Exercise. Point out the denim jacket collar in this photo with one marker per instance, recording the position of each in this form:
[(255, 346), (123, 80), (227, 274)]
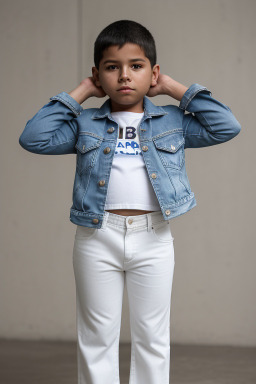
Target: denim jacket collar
[(150, 109)]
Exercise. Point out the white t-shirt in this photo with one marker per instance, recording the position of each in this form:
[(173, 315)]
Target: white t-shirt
[(129, 185)]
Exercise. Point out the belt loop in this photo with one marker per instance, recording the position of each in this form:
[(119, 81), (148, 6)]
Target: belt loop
[(105, 219), (149, 222)]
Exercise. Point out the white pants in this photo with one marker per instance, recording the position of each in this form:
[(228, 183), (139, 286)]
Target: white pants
[(140, 250)]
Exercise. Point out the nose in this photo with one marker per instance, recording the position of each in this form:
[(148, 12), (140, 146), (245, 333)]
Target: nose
[(124, 75)]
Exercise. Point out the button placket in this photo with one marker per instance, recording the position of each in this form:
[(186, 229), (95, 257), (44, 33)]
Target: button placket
[(129, 223), (129, 245)]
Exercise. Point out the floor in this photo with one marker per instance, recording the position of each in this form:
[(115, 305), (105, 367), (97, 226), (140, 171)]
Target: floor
[(49, 362)]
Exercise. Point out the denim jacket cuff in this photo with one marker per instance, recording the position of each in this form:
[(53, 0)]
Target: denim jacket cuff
[(190, 93), (69, 101)]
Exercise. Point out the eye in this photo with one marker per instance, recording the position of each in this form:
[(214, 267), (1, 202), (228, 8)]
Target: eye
[(137, 66), (111, 67)]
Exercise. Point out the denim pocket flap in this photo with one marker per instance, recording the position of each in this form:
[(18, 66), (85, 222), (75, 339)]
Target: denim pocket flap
[(170, 142), (87, 142)]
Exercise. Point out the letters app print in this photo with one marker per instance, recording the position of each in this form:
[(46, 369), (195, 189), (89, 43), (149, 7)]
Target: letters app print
[(128, 143)]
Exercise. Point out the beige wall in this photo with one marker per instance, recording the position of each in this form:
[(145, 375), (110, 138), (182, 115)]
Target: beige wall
[(47, 47)]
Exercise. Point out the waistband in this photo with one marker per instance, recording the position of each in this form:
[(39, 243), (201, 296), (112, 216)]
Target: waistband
[(146, 220)]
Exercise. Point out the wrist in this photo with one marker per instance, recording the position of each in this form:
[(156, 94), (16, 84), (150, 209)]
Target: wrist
[(175, 89), (81, 93)]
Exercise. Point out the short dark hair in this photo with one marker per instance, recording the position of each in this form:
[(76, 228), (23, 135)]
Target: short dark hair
[(121, 32)]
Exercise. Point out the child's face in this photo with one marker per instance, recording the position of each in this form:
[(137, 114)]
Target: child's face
[(125, 67)]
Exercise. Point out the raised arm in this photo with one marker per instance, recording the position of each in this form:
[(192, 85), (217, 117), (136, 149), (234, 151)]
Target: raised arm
[(53, 129), (208, 122)]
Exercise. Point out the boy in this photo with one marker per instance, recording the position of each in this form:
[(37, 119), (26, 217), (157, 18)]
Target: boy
[(130, 181)]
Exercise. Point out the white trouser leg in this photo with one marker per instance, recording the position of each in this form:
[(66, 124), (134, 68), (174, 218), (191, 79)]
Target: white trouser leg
[(149, 277), (99, 292)]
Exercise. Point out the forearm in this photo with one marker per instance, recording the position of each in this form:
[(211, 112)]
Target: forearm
[(53, 129), (175, 89), (209, 121), (80, 93)]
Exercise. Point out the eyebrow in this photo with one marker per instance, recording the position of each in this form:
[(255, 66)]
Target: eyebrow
[(116, 61)]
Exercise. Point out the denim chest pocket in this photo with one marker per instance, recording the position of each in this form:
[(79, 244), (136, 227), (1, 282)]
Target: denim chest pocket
[(87, 150), (170, 148)]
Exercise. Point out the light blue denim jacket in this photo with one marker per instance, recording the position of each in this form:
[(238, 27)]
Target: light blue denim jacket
[(62, 126)]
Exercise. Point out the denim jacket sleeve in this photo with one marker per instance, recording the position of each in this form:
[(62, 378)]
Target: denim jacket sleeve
[(209, 122), (53, 129)]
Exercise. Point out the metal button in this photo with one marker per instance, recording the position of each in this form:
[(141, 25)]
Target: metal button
[(144, 148), (153, 175), (95, 221), (167, 212), (172, 147), (107, 150), (130, 221), (111, 129), (101, 183)]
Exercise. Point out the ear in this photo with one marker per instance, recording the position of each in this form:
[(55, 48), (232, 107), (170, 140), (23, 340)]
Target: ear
[(155, 74), (95, 75)]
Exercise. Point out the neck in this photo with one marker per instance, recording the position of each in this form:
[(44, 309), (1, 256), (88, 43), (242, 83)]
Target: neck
[(137, 108)]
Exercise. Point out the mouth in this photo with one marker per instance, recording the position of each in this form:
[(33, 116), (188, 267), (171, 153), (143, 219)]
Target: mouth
[(125, 89)]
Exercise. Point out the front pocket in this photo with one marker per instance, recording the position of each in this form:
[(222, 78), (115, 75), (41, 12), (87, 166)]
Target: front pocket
[(162, 232), (88, 148), (85, 233), (170, 148)]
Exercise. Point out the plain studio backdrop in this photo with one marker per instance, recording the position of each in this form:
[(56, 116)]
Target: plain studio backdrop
[(47, 48)]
